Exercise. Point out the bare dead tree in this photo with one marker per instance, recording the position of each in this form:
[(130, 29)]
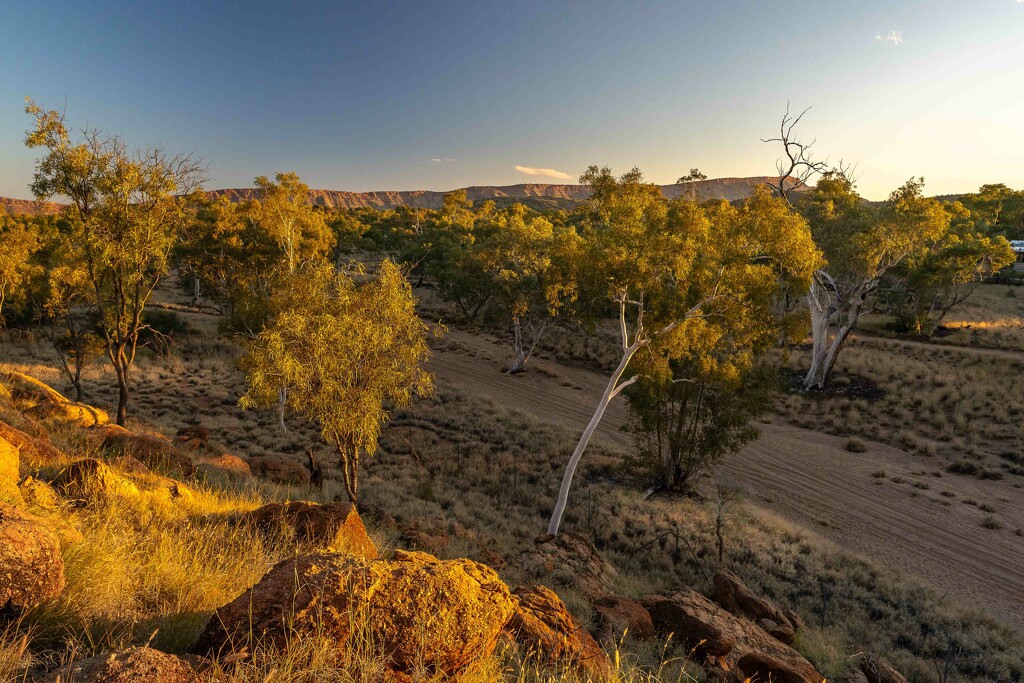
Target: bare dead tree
[(797, 165)]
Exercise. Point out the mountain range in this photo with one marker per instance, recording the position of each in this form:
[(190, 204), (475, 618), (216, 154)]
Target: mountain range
[(538, 196)]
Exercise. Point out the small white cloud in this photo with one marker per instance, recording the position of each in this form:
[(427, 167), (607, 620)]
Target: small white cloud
[(440, 161), (549, 172), (896, 37)]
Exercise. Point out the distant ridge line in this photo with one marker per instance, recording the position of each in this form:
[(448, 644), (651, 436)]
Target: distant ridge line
[(539, 196)]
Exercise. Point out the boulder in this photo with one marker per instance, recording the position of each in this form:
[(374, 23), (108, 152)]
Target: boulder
[(70, 412), (542, 624), (727, 641), (877, 669), (10, 463), (192, 438), (568, 559), (32, 448), (335, 526), (90, 480), (31, 567), (51, 403), (420, 613), (39, 494), (156, 452), (24, 387), (128, 666), (223, 468), (280, 468), (732, 594), (614, 616)]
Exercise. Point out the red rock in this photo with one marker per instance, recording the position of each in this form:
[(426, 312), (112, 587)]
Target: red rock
[(615, 615), (156, 452), (543, 625), (134, 665), (732, 594), (282, 469), (335, 526), (418, 611), (31, 567)]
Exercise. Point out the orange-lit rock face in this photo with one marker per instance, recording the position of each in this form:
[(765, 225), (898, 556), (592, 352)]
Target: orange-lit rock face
[(416, 610), (31, 567), (335, 526), (127, 666)]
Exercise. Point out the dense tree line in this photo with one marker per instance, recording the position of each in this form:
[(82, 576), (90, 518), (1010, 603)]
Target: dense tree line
[(323, 300)]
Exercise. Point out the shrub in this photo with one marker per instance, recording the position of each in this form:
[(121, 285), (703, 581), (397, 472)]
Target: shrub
[(992, 522), (963, 467), (857, 446)]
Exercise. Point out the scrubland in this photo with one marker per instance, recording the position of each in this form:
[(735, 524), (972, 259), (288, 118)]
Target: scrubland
[(479, 480)]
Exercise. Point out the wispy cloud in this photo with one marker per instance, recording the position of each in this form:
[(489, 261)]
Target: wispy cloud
[(549, 172), (442, 161), (896, 37)]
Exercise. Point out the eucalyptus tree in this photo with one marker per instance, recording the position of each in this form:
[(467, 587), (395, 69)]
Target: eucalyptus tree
[(532, 265), (125, 211), (348, 351), (683, 277), (861, 244)]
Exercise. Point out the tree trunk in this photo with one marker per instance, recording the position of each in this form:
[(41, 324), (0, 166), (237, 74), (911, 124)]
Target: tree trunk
[(609, 393), (282, 400), (522, 353), (122, 398)]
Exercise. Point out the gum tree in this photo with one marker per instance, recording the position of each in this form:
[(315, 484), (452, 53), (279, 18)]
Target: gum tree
[(348, 352), (681, 276), (125, 211)]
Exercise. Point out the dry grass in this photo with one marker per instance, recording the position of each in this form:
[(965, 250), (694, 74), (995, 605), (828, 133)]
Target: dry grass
[(152, 571)]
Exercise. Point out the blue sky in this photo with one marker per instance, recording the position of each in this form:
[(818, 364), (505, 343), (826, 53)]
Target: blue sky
[(425, 95)]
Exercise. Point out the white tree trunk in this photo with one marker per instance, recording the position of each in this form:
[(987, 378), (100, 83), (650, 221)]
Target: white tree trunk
[(610, 392), (282, 399)]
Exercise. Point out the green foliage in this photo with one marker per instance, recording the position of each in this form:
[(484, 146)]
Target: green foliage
[(125, 212), (997, 210), (19, 241), (346, 353), (689, 416)]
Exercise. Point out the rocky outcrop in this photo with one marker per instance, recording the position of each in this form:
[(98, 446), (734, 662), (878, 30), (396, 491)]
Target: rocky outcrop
[(50, 403), (280, 468), (615, 616), (727, 642), (877, 669), (156, 452), (732, 594), (544, 628), (128, 666), (335, 526), (38, 494), (568, 559), (224, 468), (36, 449), (31, 567), (89, 480), (10, 462), (418, 611), (192, 438)]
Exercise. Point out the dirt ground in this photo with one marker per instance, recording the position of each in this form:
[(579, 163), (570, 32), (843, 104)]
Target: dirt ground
[(893, 506)]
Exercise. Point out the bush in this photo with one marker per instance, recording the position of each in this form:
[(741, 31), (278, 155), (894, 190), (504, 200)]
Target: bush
[(964, 467), (857, 446), (991, 522)]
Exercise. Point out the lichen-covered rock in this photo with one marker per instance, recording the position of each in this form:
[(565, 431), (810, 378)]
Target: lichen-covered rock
[(90, 480), (726, 641), (732, 594), (156, 452), (282, 469), (24, 387), (335, 526), (614, 616), (9, 473), (543, 625), (132, 665), (418, 611), (568, 559), (31, 567)]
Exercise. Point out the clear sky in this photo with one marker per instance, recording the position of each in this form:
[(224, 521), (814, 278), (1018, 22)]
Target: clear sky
[(431, 95)]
